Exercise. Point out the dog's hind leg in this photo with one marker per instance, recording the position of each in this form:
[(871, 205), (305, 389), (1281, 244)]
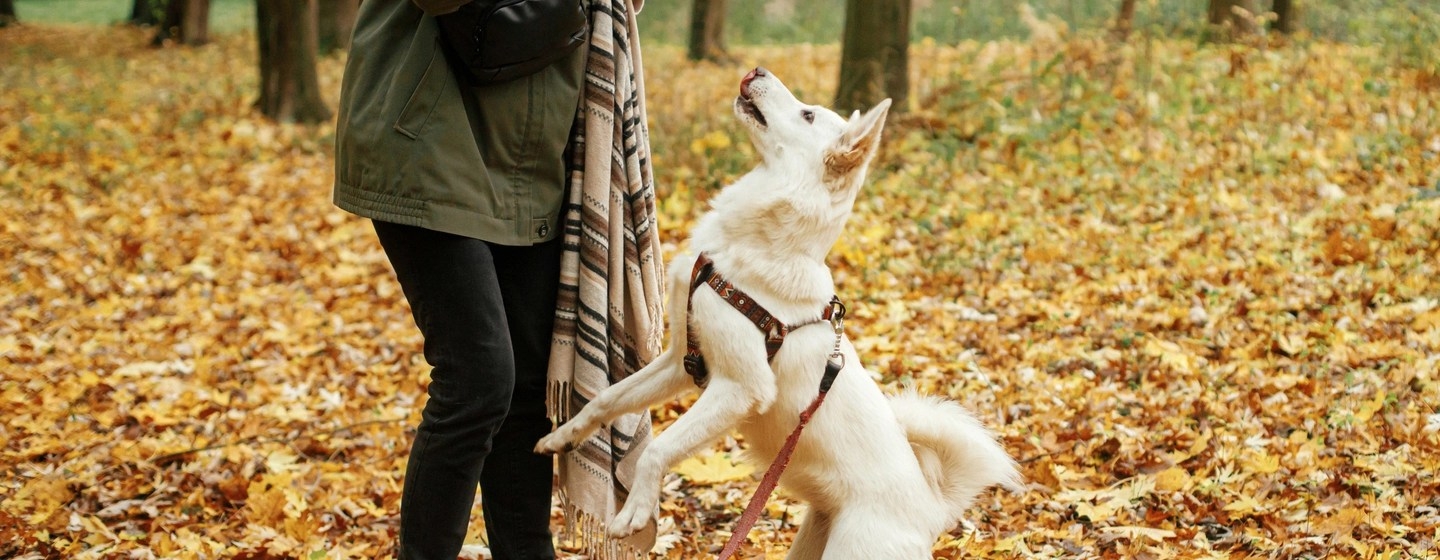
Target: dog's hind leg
[(661, 379), (719, 407), (863, 534), (810, 540)]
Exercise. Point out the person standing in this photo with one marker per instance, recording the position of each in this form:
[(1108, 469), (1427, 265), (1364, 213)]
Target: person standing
[(464, 185)]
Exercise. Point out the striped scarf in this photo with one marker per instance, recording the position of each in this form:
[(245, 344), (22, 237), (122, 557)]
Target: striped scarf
[(608, 318)]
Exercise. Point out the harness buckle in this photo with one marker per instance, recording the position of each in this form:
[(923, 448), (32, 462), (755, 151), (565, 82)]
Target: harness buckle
[(695, 367)]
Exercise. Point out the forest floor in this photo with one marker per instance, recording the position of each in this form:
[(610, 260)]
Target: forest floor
[(1193, 288)]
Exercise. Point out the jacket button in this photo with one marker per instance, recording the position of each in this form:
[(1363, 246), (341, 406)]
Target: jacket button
[(543, 230)]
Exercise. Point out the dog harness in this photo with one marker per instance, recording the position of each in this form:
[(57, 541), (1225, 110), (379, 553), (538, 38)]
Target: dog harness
[(775, 331)]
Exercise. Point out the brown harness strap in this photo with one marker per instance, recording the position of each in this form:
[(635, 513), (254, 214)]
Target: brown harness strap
[(775, 331)]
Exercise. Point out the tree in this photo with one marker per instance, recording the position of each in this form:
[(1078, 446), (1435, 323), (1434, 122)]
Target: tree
[(1125, 20), (7, 12), (186, 21), (288, 40), (707, 26), (1231, 18), (1287, 16), (874, 61), (336, 22), (142, 12)]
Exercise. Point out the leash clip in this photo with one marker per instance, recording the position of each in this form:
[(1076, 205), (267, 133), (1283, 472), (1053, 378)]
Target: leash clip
[(837, 311), (837, 322)]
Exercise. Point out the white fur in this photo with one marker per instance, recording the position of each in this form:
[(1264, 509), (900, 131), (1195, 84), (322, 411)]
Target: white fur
[(884, 477)]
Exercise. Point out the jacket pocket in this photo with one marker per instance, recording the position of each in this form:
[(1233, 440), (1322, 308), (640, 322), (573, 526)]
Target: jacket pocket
[(426, 96)]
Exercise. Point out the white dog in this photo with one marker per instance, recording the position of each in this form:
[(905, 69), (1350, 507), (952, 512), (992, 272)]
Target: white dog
[(884, 477)]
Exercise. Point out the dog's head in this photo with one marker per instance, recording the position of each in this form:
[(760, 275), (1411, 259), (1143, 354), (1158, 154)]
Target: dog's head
[(814, 162), (808, 139)]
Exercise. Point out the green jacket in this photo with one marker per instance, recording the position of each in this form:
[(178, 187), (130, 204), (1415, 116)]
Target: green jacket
[(414, 146)]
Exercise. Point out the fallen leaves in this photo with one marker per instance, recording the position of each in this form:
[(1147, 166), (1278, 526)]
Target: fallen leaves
[(712, 468), (1200, 308)]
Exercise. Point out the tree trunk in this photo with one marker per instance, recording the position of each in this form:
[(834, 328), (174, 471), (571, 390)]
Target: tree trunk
[(1125, 20), (288, 37), (336, 22), (169, 22), (1226, 22), (707, 30), (142, 12), (1287, 17), (186, 22), (874, 61), (7, 12), (195, 26)]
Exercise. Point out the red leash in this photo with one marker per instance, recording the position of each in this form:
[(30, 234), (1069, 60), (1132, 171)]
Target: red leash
[(772, 475)]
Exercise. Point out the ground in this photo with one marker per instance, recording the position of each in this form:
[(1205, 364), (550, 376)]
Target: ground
[(1192, 287)]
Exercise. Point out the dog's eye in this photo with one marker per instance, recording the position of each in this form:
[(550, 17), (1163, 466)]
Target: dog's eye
[(808, 115)]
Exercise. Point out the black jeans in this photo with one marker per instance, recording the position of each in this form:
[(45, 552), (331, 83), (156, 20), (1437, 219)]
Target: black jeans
[(485, 311)]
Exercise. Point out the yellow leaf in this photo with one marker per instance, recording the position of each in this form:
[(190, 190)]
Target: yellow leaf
[(718, 139), (1099, 511), (1369, 408), (1230, 200), (266, 499), (1292, 344), (1172, 479), (1261, 463), (980, 220), (713, 468), (1244, 505), (1136, 533), (1200, 444), (1011, 544), (1342, 523), (1171, 354), (1427, 320)]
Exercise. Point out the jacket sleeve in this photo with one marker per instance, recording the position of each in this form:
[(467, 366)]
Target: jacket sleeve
[(440, 7)]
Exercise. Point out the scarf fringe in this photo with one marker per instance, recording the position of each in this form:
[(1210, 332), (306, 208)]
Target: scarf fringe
[(557, 401), (588, 532)]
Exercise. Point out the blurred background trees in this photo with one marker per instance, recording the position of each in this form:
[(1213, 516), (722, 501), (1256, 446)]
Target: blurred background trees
[(186, 22), (1286, 16), (1231, 18), (335, 22), (874, 35), (288, 36), (874, 62), (144, 12), (707, 30), (7, 12)]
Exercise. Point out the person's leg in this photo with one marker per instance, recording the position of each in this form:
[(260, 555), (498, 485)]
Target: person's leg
[(450, 282), (516, 484)]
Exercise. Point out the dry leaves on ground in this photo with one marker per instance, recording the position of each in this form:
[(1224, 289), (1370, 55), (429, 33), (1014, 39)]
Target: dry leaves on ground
[(1196, 298)]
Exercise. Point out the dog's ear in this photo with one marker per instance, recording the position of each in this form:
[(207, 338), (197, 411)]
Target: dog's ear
[(857, 144)]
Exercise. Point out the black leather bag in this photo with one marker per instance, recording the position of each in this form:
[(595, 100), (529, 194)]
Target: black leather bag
[(493, 41)]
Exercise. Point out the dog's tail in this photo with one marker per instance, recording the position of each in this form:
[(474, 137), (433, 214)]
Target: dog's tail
[(959, 456)]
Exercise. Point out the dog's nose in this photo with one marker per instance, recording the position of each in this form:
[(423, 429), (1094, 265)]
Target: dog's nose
[(756, 73)]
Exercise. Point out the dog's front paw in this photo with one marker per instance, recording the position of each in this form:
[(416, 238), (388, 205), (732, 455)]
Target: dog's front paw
[(633, 517), (557, 441)]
